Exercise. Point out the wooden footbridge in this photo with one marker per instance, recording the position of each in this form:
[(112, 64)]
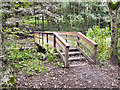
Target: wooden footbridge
[(69, 44)]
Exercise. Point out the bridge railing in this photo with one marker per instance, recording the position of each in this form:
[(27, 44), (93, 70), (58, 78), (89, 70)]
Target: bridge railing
[(85, 45), (89, 42), (57, 42)]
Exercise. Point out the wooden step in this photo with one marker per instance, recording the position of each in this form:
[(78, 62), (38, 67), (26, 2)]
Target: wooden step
[(73, 53), (76, 58), (77, 65), (73, 49)]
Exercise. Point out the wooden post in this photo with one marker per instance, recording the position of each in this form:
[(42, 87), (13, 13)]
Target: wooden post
[(66, 57), (47, 37), (77, 42), (39, 38), (42, 39), (66, 38), (54, 40), (95, 54)]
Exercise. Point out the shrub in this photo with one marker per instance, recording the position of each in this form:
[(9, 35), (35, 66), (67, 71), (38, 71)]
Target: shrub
[(99, 35), (118, 32)]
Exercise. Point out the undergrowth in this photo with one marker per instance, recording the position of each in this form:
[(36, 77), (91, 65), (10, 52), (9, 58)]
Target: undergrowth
[(53, 58), (100, 35)]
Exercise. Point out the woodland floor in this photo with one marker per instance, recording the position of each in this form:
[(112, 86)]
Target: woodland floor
[(85, 75)]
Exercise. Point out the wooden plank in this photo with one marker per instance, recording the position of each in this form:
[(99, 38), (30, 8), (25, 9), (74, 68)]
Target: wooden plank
[(86, 39), (72, 53), (59, 32), (89, 59), (76, 58), (67, 33), (61, 40), (85, 47), (73, 49)]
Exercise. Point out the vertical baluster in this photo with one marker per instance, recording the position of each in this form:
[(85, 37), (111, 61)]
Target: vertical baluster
[(47, 37), (39, 38), (54, 40), (77, 42), (66, 38), (42, 39)]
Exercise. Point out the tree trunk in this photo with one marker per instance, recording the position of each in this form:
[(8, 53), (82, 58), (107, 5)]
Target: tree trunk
[(114, 34)]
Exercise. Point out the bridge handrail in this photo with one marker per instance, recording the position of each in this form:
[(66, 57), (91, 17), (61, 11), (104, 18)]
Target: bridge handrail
[(87, 40), (56, 35), (61, 40)]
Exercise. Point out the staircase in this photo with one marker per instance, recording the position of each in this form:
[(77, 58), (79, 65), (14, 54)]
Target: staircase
[(74, 56)]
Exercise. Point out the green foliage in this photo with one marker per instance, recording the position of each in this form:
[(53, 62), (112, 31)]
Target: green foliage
[(18, 55), (53, 58), (25, 60), (31, 20), (99, 35), (118, 32), (113, 6)]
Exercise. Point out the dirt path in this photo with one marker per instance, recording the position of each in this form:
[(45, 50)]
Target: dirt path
[(83, 76)]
